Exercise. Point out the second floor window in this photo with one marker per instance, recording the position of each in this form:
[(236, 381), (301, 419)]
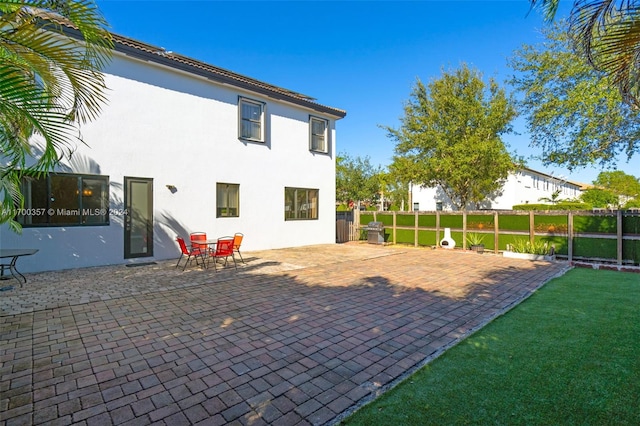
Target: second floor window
[(251, 120), (318, 135)]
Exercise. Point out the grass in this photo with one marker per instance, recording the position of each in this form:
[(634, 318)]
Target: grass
[(568, 355)]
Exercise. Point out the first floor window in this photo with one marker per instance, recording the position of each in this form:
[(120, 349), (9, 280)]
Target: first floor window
[(300, 203), (251, 120), (61, 199), (318, 135), (227, 200)]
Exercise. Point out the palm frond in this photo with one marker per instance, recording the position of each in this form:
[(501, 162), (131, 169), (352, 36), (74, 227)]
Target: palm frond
[(607, 33), (50, 83), (549, 7)]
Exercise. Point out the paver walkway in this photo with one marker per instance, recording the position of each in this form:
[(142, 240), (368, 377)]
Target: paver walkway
[(296, 336)]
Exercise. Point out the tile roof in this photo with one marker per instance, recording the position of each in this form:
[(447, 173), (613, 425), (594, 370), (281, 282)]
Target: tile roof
[(159, 55)]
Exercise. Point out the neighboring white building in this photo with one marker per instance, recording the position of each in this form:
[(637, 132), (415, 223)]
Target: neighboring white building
[(183, 146), (526, 186)]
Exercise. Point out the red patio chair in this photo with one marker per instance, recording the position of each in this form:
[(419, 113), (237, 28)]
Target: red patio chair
[(190, 252), (199, 236), (224, 249), (237, 241)]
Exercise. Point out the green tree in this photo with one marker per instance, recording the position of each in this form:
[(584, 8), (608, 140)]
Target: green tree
[(600, 198), (632, 204), (607, 34), (51, 54), (572, 113), (397, 190), (450, 136), (619, 183), (393, 192), (357, 180)]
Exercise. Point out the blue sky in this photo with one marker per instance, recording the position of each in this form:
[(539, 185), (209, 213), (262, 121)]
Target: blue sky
[(360, 56)]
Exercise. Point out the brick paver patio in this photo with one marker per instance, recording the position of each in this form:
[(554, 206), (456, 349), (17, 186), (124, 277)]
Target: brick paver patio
[(296, 336)]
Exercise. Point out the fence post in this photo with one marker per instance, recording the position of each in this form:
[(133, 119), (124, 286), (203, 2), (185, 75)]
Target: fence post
[(415, 234), (570, 236), (394, 226), (532, 227), (464, 230), (437, 227), (619, 236), (496, 235)]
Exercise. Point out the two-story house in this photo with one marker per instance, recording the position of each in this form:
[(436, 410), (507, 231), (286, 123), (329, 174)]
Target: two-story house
[(183, 146)]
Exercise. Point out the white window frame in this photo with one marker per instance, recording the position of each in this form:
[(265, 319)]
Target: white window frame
[(261, 105), (324, 135)]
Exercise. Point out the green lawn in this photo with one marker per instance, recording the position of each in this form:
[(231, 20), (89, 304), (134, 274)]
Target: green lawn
[(569, 355)]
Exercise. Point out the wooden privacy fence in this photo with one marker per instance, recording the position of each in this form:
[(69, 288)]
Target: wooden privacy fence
[(346, 228), (608, 236), (346, 231)]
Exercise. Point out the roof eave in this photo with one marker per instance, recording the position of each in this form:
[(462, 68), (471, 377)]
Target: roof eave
[(166, 60), (146, 52)]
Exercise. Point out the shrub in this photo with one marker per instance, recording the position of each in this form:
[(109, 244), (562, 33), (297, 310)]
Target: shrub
[(474, 239), (559, 206), (522, 245)]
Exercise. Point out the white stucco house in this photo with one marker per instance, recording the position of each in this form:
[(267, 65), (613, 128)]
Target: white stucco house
[(525, 186), (183, 146)]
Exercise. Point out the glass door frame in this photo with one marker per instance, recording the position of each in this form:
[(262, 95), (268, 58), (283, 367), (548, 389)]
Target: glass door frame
[(129, 217)]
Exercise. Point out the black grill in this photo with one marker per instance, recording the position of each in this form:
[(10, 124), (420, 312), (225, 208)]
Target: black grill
[(375, 232)]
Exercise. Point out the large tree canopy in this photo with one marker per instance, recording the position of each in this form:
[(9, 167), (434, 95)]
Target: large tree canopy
[(573, 115), (50, 83), (619, 183), (450, 136), (607, 34)]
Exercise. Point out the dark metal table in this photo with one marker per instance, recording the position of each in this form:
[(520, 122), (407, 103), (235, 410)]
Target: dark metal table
[(14, 255)]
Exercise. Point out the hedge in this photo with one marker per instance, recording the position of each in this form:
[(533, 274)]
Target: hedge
[(559, 206)]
